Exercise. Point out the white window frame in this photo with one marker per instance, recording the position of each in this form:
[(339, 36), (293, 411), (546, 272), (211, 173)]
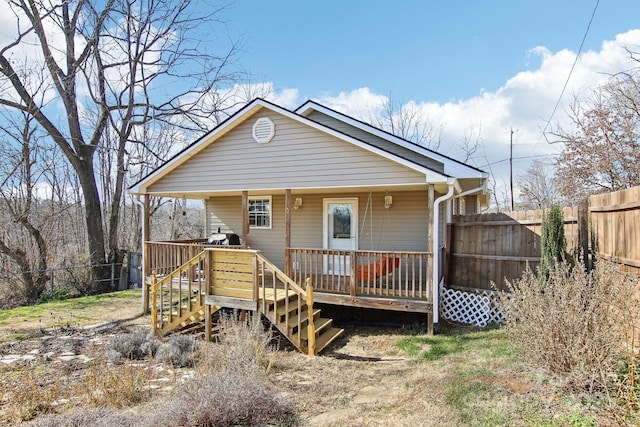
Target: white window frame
[(267, 199)]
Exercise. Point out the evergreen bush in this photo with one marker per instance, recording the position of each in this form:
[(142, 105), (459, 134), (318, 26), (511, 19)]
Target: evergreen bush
[(553, 240)]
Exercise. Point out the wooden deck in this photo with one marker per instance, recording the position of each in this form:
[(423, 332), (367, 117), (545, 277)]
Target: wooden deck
[(239, 278)]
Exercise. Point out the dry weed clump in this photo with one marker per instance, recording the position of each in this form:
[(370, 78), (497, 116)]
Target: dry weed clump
[(574, 323), (31, 398), (115, 386), (231, 386), (87, 416), (179, 351)]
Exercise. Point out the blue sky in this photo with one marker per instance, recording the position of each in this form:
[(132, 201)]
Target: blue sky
[(477, 69), (422, 50)]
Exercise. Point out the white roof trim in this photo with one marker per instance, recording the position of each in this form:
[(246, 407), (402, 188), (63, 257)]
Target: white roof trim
[(451, 166), (140, 187)]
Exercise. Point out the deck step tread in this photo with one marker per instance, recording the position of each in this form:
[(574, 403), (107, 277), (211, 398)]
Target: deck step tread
[(327, 337), (304, 317), (282, 310), (320, 324)]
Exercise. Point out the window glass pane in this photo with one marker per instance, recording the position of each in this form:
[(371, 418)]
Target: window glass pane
[(341, 221), (260, 213)]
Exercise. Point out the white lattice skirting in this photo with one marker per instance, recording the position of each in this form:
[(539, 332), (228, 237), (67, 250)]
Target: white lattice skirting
[(477, 308)]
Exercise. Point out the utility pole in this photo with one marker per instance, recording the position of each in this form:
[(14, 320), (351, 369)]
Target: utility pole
[(511, 168)]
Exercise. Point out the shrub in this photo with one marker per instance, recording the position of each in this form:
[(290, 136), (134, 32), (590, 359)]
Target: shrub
[(573, 323), (236, 395), (553, 241), (179, 351), (137, 345), (56, 294), (231, 387)]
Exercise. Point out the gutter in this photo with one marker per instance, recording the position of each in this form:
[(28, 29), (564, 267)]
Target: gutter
[(482, 188)]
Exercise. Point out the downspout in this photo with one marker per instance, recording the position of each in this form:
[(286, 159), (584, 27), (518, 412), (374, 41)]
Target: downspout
[(436, 235), (436, 252)]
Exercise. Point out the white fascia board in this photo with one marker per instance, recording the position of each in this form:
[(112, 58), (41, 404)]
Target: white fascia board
[(200, 144), (451, 167)]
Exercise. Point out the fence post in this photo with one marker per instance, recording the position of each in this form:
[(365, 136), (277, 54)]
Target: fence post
[(583, 232), (311, 328), (113, 275)]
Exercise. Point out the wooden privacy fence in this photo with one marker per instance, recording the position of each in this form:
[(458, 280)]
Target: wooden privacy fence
[(615, 227), (486, 248)]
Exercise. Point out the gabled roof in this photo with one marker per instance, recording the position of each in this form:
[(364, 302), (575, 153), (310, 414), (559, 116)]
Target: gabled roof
[(452, 167), (451, 171)]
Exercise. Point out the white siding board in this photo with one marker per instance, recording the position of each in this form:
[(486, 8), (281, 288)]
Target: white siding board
[(226, 213), (403, 227), (376, 141), (297, 157)]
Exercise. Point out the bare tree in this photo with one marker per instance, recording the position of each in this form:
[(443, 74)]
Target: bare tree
[(111, 67), (23, 240), (407, 121), (601, 153), (535, 187)]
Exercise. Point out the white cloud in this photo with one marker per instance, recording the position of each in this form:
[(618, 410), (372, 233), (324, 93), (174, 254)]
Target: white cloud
[(524, 103)]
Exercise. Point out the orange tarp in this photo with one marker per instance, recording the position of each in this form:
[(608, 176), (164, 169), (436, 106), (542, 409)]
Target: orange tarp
[(378, 268)]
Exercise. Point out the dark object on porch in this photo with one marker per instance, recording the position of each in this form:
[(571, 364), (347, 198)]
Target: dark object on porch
[(233, 239), (377, 269)]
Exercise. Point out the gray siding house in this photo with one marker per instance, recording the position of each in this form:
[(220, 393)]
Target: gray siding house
[(325, 197)]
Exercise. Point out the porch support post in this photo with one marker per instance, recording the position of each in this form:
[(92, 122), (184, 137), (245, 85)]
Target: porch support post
[(287, 232), (431, 249), (145, 254), (208, 327), (245, 218)]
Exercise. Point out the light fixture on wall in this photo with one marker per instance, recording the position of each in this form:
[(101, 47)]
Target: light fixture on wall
[(297, 203), (388, 201)]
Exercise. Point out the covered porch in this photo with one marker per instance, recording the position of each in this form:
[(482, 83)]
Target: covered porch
[(387, 280)]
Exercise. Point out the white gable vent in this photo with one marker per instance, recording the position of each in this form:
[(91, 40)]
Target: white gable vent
[(263, 130)]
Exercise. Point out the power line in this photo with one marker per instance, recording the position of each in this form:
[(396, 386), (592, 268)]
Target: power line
[(566, 83), (517, 158)]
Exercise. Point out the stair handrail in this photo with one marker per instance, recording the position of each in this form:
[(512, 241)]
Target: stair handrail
[(154, 301), (282, 276)]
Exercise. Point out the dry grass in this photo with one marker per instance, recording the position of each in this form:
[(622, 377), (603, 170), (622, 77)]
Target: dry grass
[(230, 386), (371, 376), (576, 326)]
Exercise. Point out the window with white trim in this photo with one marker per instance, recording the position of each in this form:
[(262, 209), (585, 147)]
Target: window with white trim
[(260, 212)]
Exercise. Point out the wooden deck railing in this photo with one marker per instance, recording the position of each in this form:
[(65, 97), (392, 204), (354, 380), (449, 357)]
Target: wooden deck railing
[(237, 279), (364, 273), (165, 257)]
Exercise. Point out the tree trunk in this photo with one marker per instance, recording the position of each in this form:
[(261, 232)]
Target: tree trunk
[(93, 217)]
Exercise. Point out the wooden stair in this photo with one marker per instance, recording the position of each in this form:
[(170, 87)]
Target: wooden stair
[(236, 279), (184, 314), (291, 318)]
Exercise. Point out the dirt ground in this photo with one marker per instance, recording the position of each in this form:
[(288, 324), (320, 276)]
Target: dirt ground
[(363, 379)]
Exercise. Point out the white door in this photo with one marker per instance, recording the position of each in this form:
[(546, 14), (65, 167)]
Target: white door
[(340, 229)]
